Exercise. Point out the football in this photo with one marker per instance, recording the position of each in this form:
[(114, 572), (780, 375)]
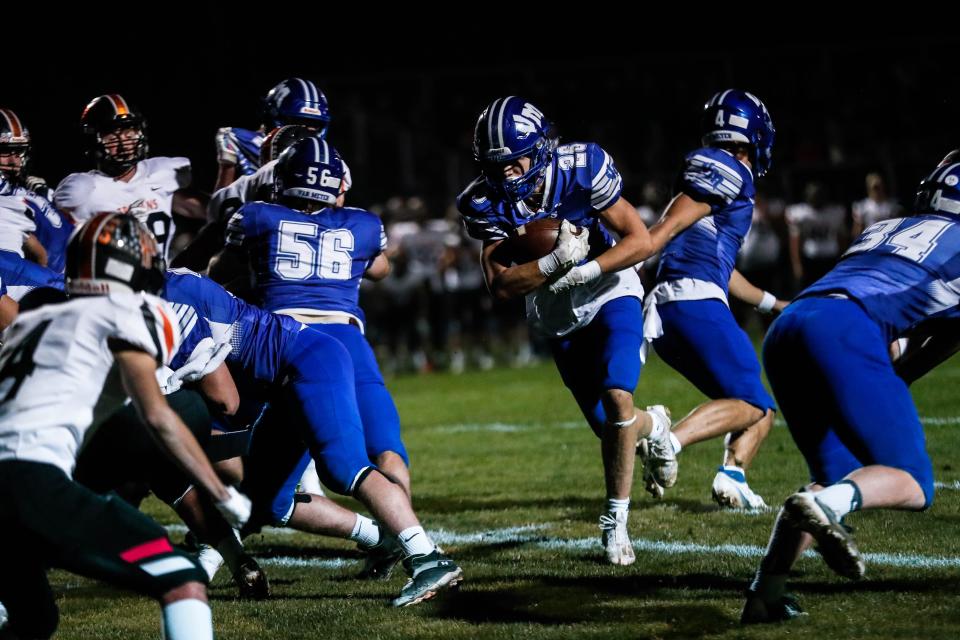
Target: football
[(535, 239)]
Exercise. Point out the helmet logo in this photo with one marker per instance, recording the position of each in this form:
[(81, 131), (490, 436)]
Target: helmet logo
[(951, 181), (528, 120), (282, 92)]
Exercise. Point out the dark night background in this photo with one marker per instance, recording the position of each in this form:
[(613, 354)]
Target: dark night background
[(404, 100)]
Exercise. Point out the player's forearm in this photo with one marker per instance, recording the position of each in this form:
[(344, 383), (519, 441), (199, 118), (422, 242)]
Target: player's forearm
[(517, 281), (631, 250), (742, 289), (226, 174), (34, 250)]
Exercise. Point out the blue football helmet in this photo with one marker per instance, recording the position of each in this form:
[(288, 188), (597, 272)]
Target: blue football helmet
[(310, 169), (737, 116), (508, 129), (940, 191), (296, 101)]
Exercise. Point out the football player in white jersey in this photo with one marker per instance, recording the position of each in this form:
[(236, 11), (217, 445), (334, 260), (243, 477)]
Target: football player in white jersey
[(94, 350), (125, 179)]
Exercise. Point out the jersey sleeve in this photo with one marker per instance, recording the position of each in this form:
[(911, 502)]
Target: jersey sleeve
[(147, 323), (73, 193), (18, 215), (476, 210), (710, 179), (194, 330), (241, 226), (170, 173), (606, 184)]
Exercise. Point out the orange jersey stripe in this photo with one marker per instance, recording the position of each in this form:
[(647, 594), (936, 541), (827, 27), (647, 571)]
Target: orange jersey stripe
[(167, 331)]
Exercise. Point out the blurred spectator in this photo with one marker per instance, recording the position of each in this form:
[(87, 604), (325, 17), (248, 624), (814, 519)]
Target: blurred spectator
[(875, 207), (760, 256), (817, 231)]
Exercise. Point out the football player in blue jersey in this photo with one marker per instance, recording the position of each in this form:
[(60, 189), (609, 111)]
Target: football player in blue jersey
[(308, 263), (585, 296), (292, 101), (52, 230), (849, 413), (687, 314)]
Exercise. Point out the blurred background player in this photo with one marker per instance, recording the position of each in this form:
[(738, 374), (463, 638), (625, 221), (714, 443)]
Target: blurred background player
[(72, 346), (877, 206), (293, 101), (850, 414), (125, 179), (687, 313), (584, 297), (51, 230)]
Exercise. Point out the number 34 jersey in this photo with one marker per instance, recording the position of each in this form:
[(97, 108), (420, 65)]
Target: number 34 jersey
[(308, 262), (54, 367), (148, 195), (901, 271)]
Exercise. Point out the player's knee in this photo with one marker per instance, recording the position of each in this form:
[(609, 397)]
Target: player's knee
[(618, 405), (379, 449), (344, 476), (175, 572)]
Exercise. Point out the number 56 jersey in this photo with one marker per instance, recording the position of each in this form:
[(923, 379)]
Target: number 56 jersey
[(901, 271), (54, 367), (308, 262)]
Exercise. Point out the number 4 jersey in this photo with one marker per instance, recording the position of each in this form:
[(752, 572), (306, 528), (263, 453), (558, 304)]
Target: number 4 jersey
[(308, 262), (54, 367), (148, 195), (901, 271)]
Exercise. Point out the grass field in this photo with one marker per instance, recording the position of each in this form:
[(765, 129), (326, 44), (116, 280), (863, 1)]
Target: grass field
[(509, 479)]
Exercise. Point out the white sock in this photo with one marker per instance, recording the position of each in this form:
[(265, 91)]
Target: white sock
[(210, 559), (842, 498), (365, 531), (614, 505), (415, 542), (676, 443), (188, 619)]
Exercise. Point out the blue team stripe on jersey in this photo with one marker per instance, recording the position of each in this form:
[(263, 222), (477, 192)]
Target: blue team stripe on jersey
[(600, 201), (724, 191), (707, 225), (727, 172), (603, 171), (186, 317)]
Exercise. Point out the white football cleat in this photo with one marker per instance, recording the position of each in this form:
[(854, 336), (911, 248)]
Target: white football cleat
[(730, 490), (657, 454), (834, 540), (615, 540)]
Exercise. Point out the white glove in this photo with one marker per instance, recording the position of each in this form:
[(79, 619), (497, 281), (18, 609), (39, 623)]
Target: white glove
[(576, 276), (235, 509), (203, 365), (571, 249), (226, 146)]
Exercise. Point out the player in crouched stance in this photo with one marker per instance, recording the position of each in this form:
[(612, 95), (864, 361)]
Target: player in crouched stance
[(848, 411), (55, 383)]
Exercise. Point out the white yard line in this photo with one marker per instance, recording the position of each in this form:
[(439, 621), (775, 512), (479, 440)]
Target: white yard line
[(527, 534)]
